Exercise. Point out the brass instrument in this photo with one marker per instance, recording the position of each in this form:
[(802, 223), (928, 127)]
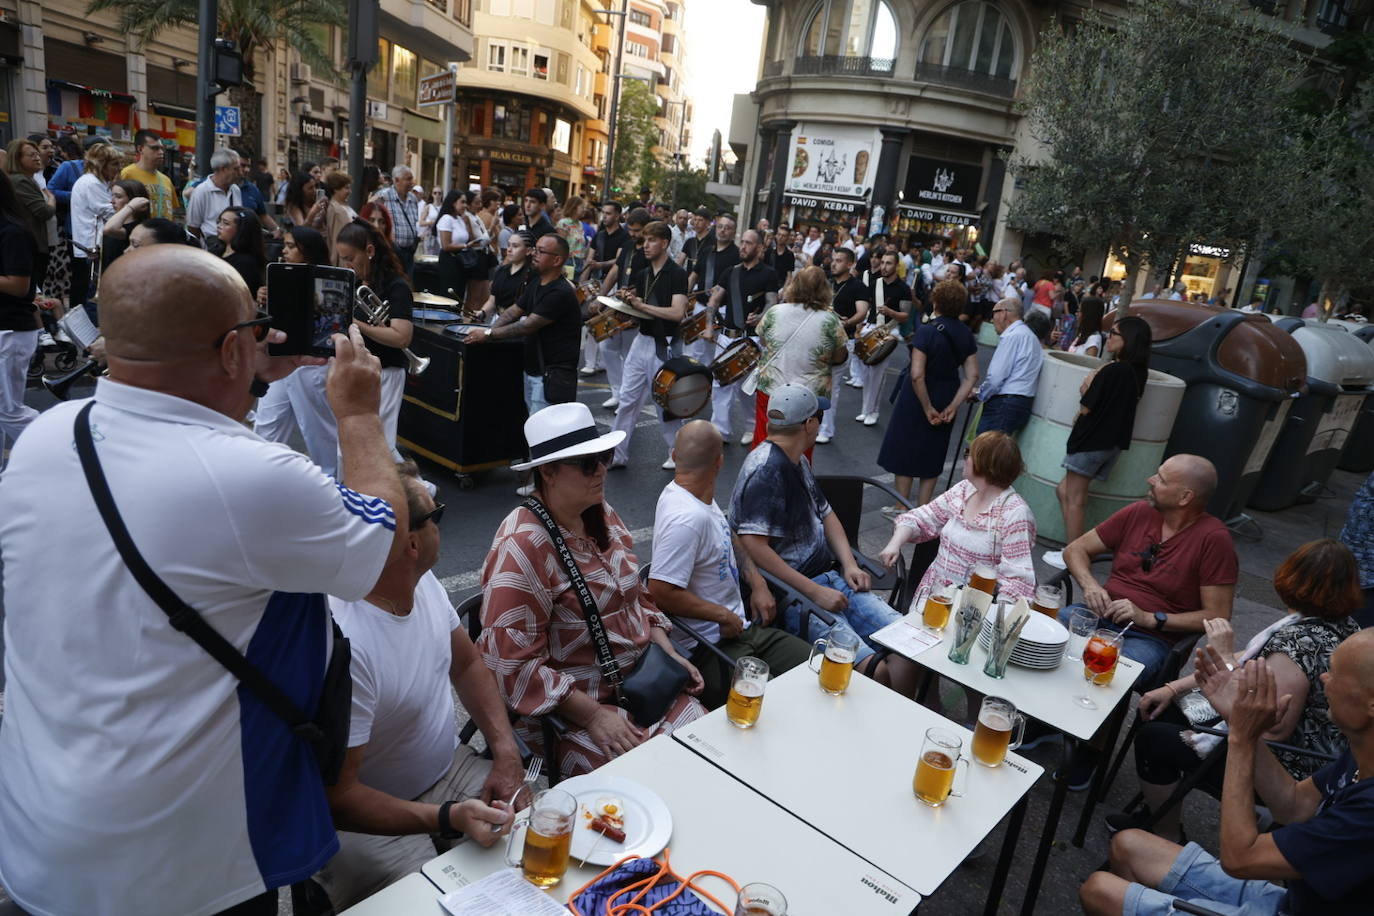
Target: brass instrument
[(59, 386), (378, 314)]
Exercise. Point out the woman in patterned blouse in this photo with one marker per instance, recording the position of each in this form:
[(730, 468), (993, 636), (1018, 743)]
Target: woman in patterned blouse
[(534, 635), (981, 519)]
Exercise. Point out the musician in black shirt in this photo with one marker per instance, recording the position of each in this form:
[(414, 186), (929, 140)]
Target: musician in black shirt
[(744, 292), (611, 237), (851, 304), (779, 256), (628, 261), (510, 279), (712, 261), (701, 239), (659, 290), (891, 300)]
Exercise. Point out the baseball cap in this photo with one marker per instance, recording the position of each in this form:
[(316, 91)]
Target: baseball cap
[(93, 141), (791, 405)]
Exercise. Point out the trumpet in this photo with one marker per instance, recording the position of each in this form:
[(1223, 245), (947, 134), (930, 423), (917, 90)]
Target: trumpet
[(60, 385), (378, 314)]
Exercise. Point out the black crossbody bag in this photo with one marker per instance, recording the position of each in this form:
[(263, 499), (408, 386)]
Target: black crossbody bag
[(657, 678), (327, 733)]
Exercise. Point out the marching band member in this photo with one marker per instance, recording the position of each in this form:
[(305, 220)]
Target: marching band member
[(745, 290), (628, 261), (850, 302), (891, 300)]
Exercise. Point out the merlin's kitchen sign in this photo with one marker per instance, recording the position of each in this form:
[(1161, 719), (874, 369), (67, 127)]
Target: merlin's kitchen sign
[(832, 161), (942, 185)]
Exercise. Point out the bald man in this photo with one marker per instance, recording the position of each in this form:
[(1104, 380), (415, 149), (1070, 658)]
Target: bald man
[(1173, 565), (699, 565), (130, 757), (1321, 852)]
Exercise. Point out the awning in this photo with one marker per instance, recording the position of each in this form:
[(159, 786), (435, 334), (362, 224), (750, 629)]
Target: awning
[(949, 217), (422, 127), (168, 110), (833, 204)]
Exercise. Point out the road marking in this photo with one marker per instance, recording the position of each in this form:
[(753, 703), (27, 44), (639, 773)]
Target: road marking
[(469, 580)]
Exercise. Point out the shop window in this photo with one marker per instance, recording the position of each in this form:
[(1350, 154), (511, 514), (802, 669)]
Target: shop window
[(865, 28), (973, 36), (511, 122)]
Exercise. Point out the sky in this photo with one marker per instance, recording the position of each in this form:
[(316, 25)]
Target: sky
[(723, 42)]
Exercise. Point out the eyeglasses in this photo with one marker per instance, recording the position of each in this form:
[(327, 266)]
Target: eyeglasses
[(588, 464), (434, 515), (1148, 556), (1115, 333), (261, 326)]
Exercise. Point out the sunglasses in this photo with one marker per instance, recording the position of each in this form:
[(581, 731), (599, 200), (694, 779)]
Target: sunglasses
[(588, 464), (261, 326), (1148, 556), (434, 515)]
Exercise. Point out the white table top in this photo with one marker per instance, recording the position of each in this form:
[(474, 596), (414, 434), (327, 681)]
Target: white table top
[(844, 765), (1044, 695), (411, 896), (721, 824)]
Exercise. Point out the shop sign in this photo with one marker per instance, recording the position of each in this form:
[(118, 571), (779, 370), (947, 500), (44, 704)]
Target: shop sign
[(377, 110), (937, 216), (832, 160), (1210, 251), (942, 184), (850, 207), (439, 89), (316, 130), (509, 156)]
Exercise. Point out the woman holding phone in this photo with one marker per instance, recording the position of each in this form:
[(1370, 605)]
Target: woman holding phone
[(274, 418)]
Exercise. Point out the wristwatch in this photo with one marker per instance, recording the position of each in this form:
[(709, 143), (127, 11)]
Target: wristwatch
[(1160, 619), (446, 829)]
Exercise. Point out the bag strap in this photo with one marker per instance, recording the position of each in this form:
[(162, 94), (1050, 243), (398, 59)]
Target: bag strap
[(604, 657), (182, 616)]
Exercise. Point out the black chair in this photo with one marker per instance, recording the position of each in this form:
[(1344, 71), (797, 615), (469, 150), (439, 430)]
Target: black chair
[(845, 493), (726, 662)]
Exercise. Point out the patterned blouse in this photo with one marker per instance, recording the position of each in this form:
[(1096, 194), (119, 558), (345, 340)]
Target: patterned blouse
[(797, 343), (1002, 536), (534, 635), (1309, 642)]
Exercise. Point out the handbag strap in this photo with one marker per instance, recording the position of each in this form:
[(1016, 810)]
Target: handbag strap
[(182, 616), (610, 668)]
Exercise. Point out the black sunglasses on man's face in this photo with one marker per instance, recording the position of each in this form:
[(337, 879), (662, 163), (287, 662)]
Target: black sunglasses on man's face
[(434, 515)]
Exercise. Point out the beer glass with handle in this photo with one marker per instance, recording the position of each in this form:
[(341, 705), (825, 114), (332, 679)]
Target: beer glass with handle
[(840, 647), (935, 612), (548, 838), (1000, 729), (745, 702), (984, 578), (933, 783), (1100, 656), (760, 900)]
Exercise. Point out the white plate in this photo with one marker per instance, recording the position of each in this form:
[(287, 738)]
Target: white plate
[(648, 823), (1040, 631)]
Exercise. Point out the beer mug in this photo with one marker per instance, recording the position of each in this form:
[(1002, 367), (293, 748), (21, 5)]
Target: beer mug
[(933, 783), (935, 613), (1048, 600), (746, 692), (760, 900), (984, 578), (840, 648), (992, 736), (548, 838)]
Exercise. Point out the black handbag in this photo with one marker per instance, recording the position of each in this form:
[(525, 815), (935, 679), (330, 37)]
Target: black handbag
[(471, 261), (657, 679), (327, 733)]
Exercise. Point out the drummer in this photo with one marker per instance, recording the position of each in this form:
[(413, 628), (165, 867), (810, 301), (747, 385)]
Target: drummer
[(629, 260), (714, 257), (744, 291), (510, 279), (660, 291), (891, 299)]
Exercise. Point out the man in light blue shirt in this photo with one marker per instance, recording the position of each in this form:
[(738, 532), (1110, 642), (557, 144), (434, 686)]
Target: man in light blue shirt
[(1009, 390)]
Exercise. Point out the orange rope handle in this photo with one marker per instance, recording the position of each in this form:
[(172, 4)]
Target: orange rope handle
[(633, 906)]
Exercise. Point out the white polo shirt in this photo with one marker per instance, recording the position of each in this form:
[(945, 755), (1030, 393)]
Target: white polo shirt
[(135, 776), (207, 203)]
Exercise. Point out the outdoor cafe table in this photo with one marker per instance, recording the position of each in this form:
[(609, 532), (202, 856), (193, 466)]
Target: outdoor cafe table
[(1046, 695), (411, 896), (719, 824), (844, 765)]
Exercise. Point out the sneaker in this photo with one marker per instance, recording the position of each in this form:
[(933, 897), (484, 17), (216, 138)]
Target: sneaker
[(1054, 558), (822, 440), (526, 490), (587, 370), (45, 339), (611, 403), (747, 438), (669, 465), (893, 512), (861, 418), (871, 419), (1080, 774)]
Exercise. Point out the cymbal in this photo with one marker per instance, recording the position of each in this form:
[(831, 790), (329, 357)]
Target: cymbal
[(432, 299), (620, 306)]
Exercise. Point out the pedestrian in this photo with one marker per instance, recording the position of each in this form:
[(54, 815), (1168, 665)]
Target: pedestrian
[(26, 167), (90, 208), (18, 325), (462, 241), (403, 210), (162, 196), (1009, 390)]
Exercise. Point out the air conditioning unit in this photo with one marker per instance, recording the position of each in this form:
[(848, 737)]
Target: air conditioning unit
[(300, 73)]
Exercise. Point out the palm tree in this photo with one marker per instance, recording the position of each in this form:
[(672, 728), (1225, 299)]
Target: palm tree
[(253, 25)]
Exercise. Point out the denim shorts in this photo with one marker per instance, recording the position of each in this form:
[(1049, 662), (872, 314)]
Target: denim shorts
[(865, 615), (1096, 465), (1198, 878)]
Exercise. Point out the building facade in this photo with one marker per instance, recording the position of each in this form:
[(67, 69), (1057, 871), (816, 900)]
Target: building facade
[(655, 52)]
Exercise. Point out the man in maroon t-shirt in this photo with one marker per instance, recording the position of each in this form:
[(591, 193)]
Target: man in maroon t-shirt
[(1173, 565)]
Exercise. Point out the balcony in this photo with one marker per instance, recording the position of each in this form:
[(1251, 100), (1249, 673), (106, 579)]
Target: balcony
[(842, 65), (601, 83), (431, 28), (601, 39), (772, 68), (966, 79), (593, 126)]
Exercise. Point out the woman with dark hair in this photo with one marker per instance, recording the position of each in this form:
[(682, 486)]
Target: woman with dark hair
[(18, 315), (275, 417), (479, 284), (510, 278), (462, 240), (25, 170), (1319, 584), (336, 214), (130, 201), (241, 234), (157, 231), (917, 439), (1087, 339), (1102, 429), (303, 205)]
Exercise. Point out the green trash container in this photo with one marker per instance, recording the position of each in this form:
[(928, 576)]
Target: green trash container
[(1359, 448)]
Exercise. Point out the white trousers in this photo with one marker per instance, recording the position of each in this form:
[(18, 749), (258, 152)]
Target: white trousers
[(590, 350), (872, 377), (273, 418), (316, 417), (641, 362), (723, 397), (16, 352), (613, 352), (836, 383)]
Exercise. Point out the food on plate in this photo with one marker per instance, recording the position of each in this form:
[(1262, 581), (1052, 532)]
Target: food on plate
[(608, 818)]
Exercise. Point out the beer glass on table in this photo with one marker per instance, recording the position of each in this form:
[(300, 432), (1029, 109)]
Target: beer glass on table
[(1100, 656), (760, 900), (984, 578), (933, 783), (935, 612), (839, 648), (993, 735), (745, 702), (548, 838), (1048, 600)]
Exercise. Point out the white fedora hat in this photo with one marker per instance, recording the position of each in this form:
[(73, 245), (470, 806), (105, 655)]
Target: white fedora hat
[(564, 431)]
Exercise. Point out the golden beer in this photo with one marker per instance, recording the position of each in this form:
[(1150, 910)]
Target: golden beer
[(1048, 600), (934, 778), (546, 857), (836, 669), (935, 614), (744, 704), (983, 578), (991, 736)]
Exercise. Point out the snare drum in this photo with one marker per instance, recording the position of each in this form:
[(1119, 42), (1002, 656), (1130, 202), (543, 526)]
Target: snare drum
[(875, 345), (588, 291), (690, 329), (607, 323), (682, 387), (736, 361)]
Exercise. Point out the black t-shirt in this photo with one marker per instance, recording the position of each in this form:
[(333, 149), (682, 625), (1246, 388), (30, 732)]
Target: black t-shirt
[(396, 293), (250, 268), (559, 342), (784, 262), (606, 246), (1331, 849), (541, 228), (506, 286), (694, 246), (714, 262), (659, 289), (18, 251), (631, 261), (848, 295), (893, 295), (755, 282), (1111, 400)]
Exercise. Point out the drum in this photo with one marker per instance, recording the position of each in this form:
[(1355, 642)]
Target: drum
[(736, 361), (875, 345), (607, 323), (588, 291), (690, 329), (440, 315), (682, 387)]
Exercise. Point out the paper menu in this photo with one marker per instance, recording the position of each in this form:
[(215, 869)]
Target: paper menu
[(906, 636), (502, 893)]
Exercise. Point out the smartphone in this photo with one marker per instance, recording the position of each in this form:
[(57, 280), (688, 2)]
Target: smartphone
[(319, 194), (310, 304)]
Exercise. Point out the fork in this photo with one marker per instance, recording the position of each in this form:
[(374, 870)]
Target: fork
[(533, 770)]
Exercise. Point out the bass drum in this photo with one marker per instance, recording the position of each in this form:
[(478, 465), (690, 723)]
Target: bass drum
[(682, 387), (736, 362), (875, 345)]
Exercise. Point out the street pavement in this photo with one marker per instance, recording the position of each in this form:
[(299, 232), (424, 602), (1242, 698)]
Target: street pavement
[(473, 515)]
